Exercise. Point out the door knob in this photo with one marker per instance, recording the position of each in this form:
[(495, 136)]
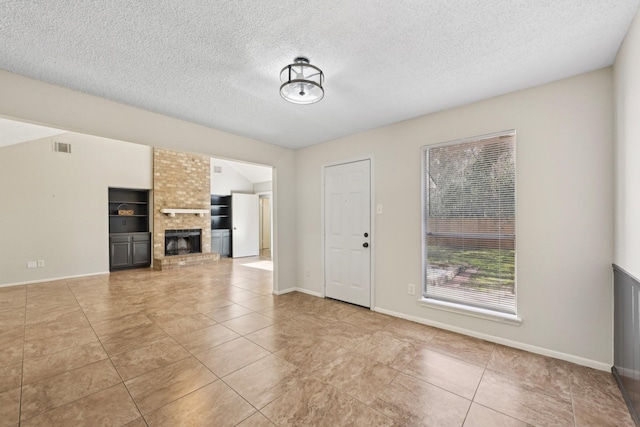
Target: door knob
[(366, 234), (365, 245)]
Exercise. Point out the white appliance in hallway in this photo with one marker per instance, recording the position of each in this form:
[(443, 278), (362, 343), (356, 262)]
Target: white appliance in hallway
[(245, 222), (347, 222)]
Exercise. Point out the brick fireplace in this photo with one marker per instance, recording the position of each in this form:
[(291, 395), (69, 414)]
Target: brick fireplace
[(181, 181)]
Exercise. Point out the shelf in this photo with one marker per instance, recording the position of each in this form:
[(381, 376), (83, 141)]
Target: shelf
[(173, 211), (133, 200), (127, 203), (220, 212)]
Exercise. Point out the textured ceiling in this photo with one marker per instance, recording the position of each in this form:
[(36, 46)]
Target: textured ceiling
[(218, 63)]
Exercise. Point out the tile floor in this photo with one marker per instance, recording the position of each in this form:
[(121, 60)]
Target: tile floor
[(212, 346)]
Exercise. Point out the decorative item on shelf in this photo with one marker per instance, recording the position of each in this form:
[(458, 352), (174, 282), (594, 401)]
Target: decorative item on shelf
[(124, 211), (301, 82)]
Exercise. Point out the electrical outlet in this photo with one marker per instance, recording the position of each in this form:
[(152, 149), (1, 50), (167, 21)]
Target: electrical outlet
[(32, 264), (412, 289), (40, 263), (307, 273)]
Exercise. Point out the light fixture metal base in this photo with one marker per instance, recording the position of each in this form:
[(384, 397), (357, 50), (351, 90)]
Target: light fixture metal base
[(302, 82)]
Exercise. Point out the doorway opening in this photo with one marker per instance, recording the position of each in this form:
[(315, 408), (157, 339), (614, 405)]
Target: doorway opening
[(265, 226), (244, 193)]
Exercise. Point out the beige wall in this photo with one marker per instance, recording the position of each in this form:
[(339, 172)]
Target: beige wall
[(229, 180), (627, 163), (40, 103), (262, 187), (564, 213), (55, 205)]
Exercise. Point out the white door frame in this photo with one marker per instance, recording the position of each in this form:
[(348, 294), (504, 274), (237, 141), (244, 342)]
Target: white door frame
[(269, 195), (371, 219)]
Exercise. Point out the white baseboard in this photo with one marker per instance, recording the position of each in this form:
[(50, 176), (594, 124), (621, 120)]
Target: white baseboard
[(304, 291), (52, 279), (308, 292), (285, 291), (498, 340)]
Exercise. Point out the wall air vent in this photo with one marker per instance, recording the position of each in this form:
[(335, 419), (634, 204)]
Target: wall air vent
[(217, 169), (62, 147)]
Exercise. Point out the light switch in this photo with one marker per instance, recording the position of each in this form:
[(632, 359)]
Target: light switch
[(379, 208)]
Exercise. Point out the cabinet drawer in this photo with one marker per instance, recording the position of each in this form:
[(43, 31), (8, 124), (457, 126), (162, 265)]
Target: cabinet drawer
[(115, 238), (142, 237)]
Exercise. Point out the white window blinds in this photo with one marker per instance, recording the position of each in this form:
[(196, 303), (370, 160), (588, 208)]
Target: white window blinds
[(469, 222)]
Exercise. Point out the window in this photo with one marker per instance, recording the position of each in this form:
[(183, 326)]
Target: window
[(469, 214)]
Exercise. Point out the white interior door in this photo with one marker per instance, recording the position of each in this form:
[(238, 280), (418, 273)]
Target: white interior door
[(245, 222), (347, 218)]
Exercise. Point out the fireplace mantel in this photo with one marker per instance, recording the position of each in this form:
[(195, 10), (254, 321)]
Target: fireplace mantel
[(173, 211)]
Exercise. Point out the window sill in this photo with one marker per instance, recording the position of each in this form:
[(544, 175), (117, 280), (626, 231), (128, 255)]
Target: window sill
[(479, 313)]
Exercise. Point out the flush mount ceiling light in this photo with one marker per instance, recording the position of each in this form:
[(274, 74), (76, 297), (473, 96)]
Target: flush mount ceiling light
[(301, 82)]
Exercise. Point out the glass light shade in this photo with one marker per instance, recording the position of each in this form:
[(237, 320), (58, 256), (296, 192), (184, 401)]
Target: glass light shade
[(301, 82)]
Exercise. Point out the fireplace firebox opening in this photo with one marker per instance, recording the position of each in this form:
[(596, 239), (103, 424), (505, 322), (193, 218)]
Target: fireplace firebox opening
[(182, 242)]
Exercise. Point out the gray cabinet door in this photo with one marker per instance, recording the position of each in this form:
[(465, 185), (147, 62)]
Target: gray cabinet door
[(128, 250), (225, 244), (119, 251), (221, 242), (141, 250), (216, 242)]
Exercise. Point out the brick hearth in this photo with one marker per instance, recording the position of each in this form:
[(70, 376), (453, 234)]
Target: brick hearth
[(188, 260)]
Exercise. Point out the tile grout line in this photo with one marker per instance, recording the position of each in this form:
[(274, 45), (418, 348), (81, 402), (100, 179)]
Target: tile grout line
[(108, 357), (43, 379)]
